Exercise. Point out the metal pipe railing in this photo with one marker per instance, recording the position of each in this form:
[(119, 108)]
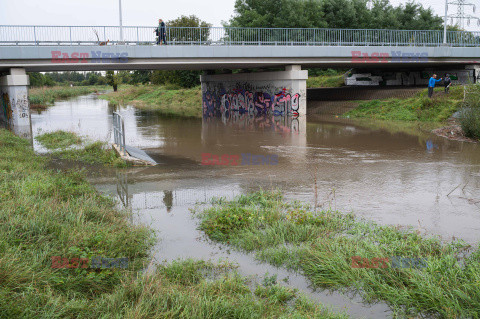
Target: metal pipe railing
[(142, 35), (119, 132)]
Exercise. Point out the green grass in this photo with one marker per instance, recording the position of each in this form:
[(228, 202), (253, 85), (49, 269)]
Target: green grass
[(41, 97), (325, 81), (46, 213), (321, 246), (91, 153), (166, 100), (59, 139), (418, 108)]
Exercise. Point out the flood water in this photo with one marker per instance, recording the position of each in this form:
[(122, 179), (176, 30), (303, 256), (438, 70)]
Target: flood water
[(397, 177)]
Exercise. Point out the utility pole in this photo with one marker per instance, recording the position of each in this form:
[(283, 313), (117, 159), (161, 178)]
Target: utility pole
[(121, 23), (445, 23)]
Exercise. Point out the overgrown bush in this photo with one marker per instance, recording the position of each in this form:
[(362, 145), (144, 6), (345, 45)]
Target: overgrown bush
[(470, 113)]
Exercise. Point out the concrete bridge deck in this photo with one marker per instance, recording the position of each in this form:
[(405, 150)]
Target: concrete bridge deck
[(197, 57)]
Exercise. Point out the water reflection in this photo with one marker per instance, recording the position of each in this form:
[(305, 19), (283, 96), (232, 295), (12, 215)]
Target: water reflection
[(164, 203)]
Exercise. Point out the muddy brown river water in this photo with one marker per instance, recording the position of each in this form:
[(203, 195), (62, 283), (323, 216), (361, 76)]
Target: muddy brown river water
[(380, 172)]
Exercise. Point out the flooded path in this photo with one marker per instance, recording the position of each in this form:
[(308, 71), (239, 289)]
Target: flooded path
[(381, 174)]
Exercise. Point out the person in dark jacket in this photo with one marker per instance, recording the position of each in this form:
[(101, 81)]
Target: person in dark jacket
[(431, 84), (161, 32), (447, 82)]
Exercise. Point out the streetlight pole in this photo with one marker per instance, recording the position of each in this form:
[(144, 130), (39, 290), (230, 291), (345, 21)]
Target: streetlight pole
[(445, 24), (121, 24)]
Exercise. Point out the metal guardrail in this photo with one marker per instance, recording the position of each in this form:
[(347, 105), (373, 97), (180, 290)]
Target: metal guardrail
[(119, 131), (141, 35)]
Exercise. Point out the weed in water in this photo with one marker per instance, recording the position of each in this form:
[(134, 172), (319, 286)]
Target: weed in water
[(59, 139), (322, 244)]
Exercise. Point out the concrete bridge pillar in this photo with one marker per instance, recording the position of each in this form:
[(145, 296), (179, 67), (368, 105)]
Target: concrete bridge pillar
[(14, 104), (275, 93), (476, 72)]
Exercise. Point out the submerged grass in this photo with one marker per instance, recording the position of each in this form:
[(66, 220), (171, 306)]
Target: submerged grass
[(91, 153), (321, 245), (59, 139), (41, 97), (418, 108), (166, 100), (46, 213)]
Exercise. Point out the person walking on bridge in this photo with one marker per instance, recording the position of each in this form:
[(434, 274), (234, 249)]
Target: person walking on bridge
[(161, 33), (431, 84)]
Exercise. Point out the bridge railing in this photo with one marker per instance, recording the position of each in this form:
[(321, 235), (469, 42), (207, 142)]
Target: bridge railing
[(144, 35)]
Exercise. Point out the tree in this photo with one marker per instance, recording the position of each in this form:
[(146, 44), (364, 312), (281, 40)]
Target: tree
[(112, 79), (351, 14), (140, 76), (188, 35), (93, 78), (181, 78), (36, 79)]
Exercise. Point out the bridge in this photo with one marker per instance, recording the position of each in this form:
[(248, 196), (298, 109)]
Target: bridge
[(62, 48), (388, 57)]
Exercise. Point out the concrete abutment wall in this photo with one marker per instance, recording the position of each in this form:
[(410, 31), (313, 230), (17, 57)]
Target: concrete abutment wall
[(277, 93), (14, 105), (364, 77)]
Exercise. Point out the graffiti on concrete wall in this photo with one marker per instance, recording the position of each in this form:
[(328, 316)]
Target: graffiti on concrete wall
[(280, 101), (6, 107), (21, 105)]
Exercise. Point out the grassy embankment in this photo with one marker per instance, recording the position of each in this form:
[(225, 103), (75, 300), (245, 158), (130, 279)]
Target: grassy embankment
[(326, 81), (167, 100), (61, 142), (44, 96), (45, 213), (321, 246), (418, 108)]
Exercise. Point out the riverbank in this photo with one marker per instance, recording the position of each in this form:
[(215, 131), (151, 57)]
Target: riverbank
[(417, 108), (338, 251), (41, 97), (164, 99), (46, 213)]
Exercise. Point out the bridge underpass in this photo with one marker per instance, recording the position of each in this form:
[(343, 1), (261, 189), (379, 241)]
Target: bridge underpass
[(404, 55)]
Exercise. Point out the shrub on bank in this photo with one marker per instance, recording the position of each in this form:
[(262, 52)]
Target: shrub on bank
[(470, 113)]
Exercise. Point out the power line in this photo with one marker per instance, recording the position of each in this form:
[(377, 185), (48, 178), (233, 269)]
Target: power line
[(460, 16)]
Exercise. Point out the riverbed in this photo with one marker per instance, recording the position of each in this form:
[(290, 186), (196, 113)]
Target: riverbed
[(389, 174)]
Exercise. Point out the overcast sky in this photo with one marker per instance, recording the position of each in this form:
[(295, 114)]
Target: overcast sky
[(135, 12)]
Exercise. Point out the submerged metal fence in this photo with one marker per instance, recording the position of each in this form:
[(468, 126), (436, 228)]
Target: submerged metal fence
[(119, 131), (142, 35)]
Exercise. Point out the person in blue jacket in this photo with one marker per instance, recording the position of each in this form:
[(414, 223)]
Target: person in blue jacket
[(431, 84)]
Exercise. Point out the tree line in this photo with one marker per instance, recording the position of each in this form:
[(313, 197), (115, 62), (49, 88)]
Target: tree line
[(177, 78), (350, 14)]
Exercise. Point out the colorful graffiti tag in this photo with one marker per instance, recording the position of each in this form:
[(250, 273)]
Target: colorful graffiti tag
[(255, 103), (6, 107)]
